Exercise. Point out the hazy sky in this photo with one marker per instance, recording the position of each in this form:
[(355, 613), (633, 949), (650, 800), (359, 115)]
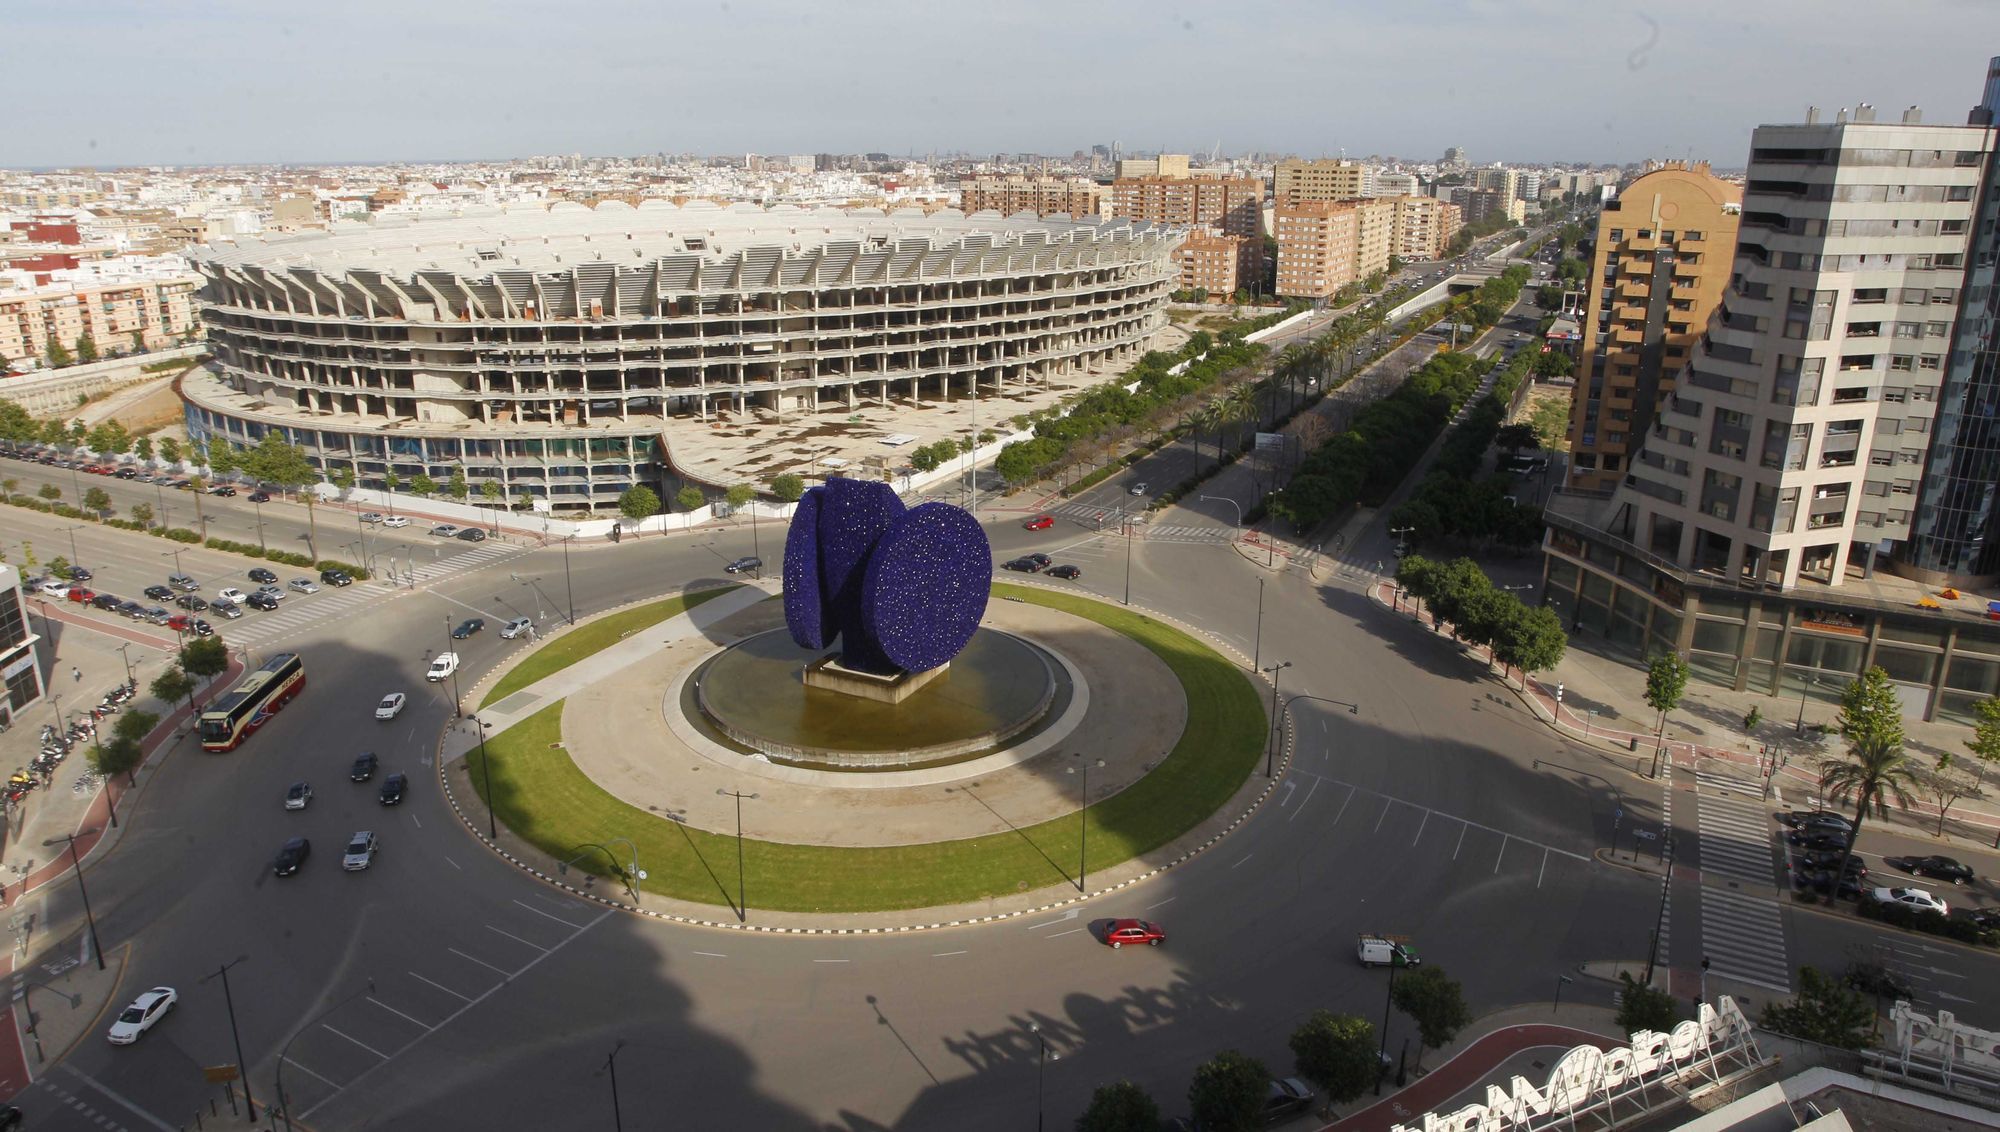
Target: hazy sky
[(113, 82)]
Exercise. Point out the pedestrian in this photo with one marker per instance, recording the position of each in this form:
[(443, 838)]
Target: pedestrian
[(76, 673)]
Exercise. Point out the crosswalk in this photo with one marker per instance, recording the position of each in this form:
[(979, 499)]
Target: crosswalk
[(1742, 933), (298, 612), (1094, 517)]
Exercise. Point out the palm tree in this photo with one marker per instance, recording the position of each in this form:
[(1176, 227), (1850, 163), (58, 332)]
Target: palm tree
[(1238, 405), (1876, 770)]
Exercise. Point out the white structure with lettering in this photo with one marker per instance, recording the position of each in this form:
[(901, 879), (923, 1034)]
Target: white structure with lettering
[(1614, 1085)]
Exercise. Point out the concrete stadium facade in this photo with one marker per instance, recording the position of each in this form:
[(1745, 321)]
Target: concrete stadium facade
[(560, 352)]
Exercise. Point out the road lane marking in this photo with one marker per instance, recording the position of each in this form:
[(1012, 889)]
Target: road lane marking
[(1059, 935), (94, 1083), (413, 817), (1545, 868), (833, 960), (439, 986), (355, 1040), (945, 954), (1462, 830), (1304, 800), (1502, 854), (501, 971), (456, 1014), (1420, 828), (516, 939), (453, 864), (1385, 815), (550, 915), (1240, 864), (712, 954), (398, 1013), (1343, 805), (1160, 903), (294, 1063), (1066, 916)]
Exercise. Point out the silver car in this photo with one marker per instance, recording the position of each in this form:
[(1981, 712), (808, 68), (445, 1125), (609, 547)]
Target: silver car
[(360, 852)]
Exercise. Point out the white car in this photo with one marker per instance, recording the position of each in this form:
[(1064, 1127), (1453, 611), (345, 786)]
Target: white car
[(360, 852), (145, 1011), (391, 706), (1912, 898), (442, 666), (304, 585), (444, 530), (230, 594), (395, 521), (55, 587)]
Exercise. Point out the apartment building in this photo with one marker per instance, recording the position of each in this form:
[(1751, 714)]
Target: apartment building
[(1220, 264), (1424, 226), (118, 316), (1044, 196), (1325, 245), (1165, 165), (20, 676), (1506, 182), (1383, 183), (1482, 204), (1660, 261), (1746, 533), (1235, 205), (1298, 180)]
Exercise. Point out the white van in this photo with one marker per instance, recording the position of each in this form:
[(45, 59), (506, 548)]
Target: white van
[(442, 666), (1376, 951)]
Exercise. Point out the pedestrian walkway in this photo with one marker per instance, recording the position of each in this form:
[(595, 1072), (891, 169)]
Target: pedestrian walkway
[(1476, 1061), (1735, 838), (1743, 938), (297, 612)]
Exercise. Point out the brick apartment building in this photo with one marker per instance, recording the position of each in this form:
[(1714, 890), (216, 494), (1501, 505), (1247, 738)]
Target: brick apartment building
[(1325, 245), (1043, 196), (119, 316), (1235, 205), (1220, 264)]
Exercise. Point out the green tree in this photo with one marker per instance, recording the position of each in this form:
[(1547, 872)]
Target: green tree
[(170, 450), (1227, 1094), (739, 496), (221, 457), (205, 658), (59, 567), (424, 485), (638, 503), (58, 355), (343, 478), (143, 448), (1535, 641), (96, 500), (116, 756), (1666, 681), (1870, 710), (457, 486), (1823, 1011), (1338, 1053), (1643, 1007), (1876, 770), (1985, 741), (1555, 363), (142, 514), (1436, 1003), (15, 423), (28, 555), (173, 685), (1120, 1106), (787, 487), (110, 436), (50, 492), (277, 460), (689, 498), (495, 496), (86, 348)]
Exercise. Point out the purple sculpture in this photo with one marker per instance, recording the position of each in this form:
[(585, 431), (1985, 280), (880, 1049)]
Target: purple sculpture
[(902, 591)]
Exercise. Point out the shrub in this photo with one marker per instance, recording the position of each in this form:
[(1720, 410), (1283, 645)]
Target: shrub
[(1930, 923)]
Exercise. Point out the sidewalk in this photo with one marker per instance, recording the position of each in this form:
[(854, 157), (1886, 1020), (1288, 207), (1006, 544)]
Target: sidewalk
[(1605, 708), (1485, 1055)]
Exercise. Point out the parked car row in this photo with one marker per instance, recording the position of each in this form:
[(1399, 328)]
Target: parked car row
[(1821, 862)]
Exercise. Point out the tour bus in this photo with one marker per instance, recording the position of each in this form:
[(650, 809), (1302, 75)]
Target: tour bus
[(243, 709)]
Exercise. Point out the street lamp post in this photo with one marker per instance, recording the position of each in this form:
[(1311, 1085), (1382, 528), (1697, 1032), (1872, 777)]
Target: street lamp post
[(1557, 1004), (1257, 650), (1799, 725), (1082, 767), (742, 908), (1128, 558), (611, 1068), (567, 584), (130, 679), (260, 524), (456, 701), (1402, 543), (1382, 1053), (486, 769), (77, 861), (176, 553), (1041, 1062), (1271, 751), (242, 1067), (1231, 502), (75, 558)]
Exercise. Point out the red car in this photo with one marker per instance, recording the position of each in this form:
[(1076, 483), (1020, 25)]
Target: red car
[(1040, 523), (180, 622), (1122, 932), (80, 595)]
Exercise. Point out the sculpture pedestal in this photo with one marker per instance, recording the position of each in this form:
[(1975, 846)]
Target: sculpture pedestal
[(828, 673)]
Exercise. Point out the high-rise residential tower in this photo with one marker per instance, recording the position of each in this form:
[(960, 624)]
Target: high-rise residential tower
[(1658, 266)]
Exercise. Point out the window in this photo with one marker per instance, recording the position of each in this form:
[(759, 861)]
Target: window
[(1944, 296), (1691, 235), (1936, 329), (1930, 361), (1958, 192)]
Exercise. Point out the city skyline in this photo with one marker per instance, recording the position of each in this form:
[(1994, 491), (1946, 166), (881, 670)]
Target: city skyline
[(777, 76)]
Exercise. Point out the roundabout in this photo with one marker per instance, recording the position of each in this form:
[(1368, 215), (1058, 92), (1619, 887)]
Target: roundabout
[(1161, 730)]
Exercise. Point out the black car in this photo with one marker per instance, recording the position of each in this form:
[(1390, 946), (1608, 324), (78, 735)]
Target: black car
[(364, 767), (1818, 840), (1943, 868), (1801, 819), (1829, 859), (191, 603), (107, 602), (132, 609), (79, 574), (1986, 918), (1878, 980), (744, 565), (259, 574), (291, 855), (471, 534), (159, 593), (260, 497), (1038, 559), (222, 489), (468, 627), (392, 789), (201, 628), (336, 578), (1025, 565), (261, 600), (1852, 884), (1067, 573)]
